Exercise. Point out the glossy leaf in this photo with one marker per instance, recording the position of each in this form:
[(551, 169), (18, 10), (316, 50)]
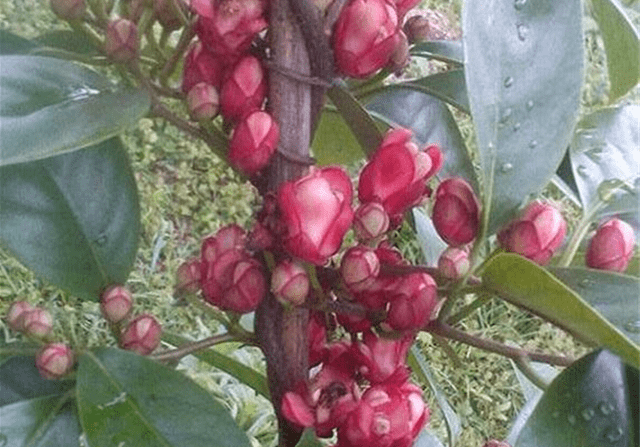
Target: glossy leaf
[(527, 285), (431, 122), (430, 242), (590, 404), (442, 50), (334, 142), (524, 92), (124, 397), (448, 86), (73, 219), (12, 44), (242, 372), (604, 151), (20, 380), (66, 40), (50, 106), (613, 295), (622, 44)]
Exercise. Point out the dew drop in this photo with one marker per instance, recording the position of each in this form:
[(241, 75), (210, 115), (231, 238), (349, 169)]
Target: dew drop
[(595, 153), (529, 105), (506, 115), (506, 167), (508, 81), (523, 31), (533, 144), (555, 414), (101, 240), (605, 408), (586, 283), (516, 127), (582, 170), (588, 413), (633, 326), (614, 434), (572, 419), (519, 4)]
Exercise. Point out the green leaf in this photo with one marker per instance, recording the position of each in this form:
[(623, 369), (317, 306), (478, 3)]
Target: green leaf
[(245, 374), (20, 380), (622, 44), (443, 50), (334, 142), (430, 242), (357, 118), (124, 397), (419, 365), (527, 285), (309, 439), (12, 44), (50, 106), (613, 295), (448, 86), (604, 151), (67, 40), (523, 70), (590, 404), (73, 219)]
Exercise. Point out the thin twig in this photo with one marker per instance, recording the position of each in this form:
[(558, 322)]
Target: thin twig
[(189, 348)]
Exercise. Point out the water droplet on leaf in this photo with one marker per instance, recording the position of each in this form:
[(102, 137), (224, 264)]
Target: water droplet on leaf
[(522, 30), (101, 240), (508, 81), (519, 4), (572, 419), (516, 127), (533, 144), (555, 414), (586, 283), (595, 153), (605, 408), (506, 167), (614, 434), (588, 413), (583, 171), (633, 326), (505, 115), (529, 105)]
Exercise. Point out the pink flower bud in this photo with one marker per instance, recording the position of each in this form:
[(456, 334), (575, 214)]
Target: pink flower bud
[(417, 29), (611, 248), (404, 6), (247, 289), (116, 303), (188, 276), (290, 283), (364, 36), (316, 211), (454, 263), (360, 267), (456, 212), (17, 313), (396, 174), (203, 102), (200, 65), (38, 323), (69, 9), (142, 335), (370, 221), (413, 303), (54, 360), (229, 237), (244, 90), (121, 44), (400, 56), (537, 234), (167, 13), (253, 142)]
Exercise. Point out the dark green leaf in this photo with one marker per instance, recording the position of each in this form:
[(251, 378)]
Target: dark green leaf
[(357, 118), (245, 374), (73, 219), (334, 142), (309, 439), (442, 50), (523, 70), (448, 86), (590, 404), (124, 397), (430, 242), (526, 284), (67, 40), (20, 380), (12, 44), (50, 106), (622, 44), (614, 295)]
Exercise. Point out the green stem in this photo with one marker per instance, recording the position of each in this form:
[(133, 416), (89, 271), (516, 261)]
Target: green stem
[(190, 348), (468, 309), (579, 233), (525, 367)]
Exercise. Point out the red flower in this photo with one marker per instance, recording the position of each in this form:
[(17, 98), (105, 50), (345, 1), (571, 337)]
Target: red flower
[(611, 247), (253, 142), (200, 65), (412, 303), (359, 267), (383, 359), (244, 90), (456, 212)]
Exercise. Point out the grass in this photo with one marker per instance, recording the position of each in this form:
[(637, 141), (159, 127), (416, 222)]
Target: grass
[(186, 193)]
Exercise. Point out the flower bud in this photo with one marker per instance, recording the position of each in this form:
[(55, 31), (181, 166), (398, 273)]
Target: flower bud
[(116, 303), (253, 142), (417, 29), (38, 323), (537, 234), (17, 313), (400, 56), (244, 90), (142, 335), (383, 359), (456, 212), (370, 221), (188, 276), (454, 263), (404, 6), (121, 41), (611, 248), (69, 9), (203, 102), (290, 283), (167, 13), (413, 303), (359, 268), (200, 65), (54, 360), (247, 289)]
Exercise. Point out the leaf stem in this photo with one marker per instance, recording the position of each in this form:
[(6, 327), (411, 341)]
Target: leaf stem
[(189, 348), (525, 367)]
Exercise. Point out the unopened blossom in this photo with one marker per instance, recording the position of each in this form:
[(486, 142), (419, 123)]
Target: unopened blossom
[(413, 303), (116, 303), (253, 142), (203, 102), (142, 335), (16, 314), (54, 360), (456, 212), (244, 90), (121, 40), (383, 359), (290, 282), (200, 65), (359, 267), (38, 323), (537, 234), (453, 263), (404, 6), (248, 287), (417, 29), (370, 221), (188, 276), (611, 248), (168, 13)]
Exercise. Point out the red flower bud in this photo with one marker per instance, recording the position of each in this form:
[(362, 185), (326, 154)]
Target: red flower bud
[(244, 90), (383, 360), (364, 36), (17, 313), (396, 174), (38, 323), (142, 335), (404, 6), (167, 13), (456, 212), (203, 102), (316, 211), (290, 283), (413, 303), (417, 29), (54, 360), (253, 142), (121, 41), (359, 268), (115, 303), (200, 65), (537, 234), (611, 248), (370, 221), (230, 237), (454, 263), (247, 289), (400, 56), (189, 275), (69, 9)]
